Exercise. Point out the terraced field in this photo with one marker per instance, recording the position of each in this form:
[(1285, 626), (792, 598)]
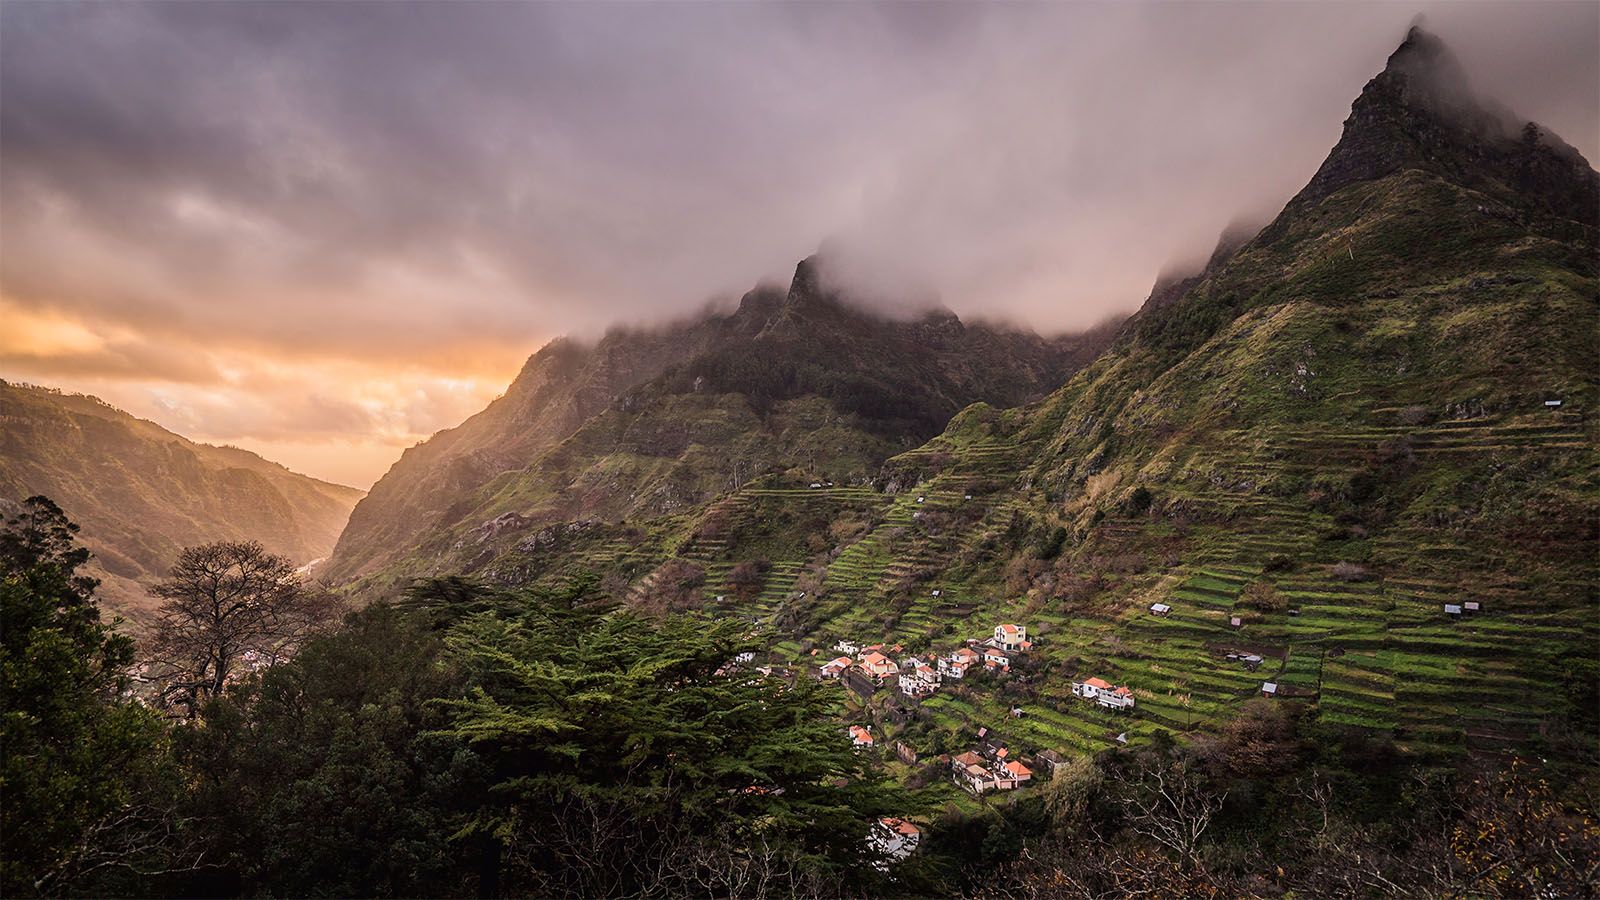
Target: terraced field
[(1372, 650)]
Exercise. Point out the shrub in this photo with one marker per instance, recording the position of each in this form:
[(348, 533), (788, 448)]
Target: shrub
[(1349, 571), (1278, 562), (1263, 596)]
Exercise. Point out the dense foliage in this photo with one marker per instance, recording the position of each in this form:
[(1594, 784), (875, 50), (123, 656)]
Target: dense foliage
[(77, 754)]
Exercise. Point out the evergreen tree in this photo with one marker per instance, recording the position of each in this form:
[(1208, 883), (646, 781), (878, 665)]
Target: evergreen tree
[(79, 756)]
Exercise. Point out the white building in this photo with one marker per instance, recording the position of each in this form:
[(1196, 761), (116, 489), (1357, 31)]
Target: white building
[(917, 678), (1102, 692), (893, 840)]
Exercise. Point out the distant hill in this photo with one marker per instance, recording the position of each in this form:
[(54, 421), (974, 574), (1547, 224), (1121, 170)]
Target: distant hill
[(142, 493), (1379, 406), (649, 423)]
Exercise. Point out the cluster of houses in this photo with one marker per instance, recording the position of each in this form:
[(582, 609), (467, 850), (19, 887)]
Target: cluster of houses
[(989, 767), (995, 653), (917, 677)]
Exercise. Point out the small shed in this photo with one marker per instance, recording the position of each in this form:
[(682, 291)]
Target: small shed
[(1472, 606), (1452, 609), (1269, 689), (1160, 609), (1552, 404), (1252, 661), (1236, 621)]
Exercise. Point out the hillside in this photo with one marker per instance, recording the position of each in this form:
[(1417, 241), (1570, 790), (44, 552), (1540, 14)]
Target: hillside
[(647, 424), (1377, 406), (142, 493)]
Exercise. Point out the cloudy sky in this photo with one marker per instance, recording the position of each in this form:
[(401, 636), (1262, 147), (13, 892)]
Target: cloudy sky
[(323, 231)]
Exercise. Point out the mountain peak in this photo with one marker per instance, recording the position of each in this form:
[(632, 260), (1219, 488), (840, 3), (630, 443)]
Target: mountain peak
[(1420, 112)]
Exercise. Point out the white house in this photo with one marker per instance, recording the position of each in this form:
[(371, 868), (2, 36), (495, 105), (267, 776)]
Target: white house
[(1160, 609), (969, 770), (833, 668), (893, 840), (850, 647), (860, 737), (1452, 609), (917, 678), (1012, 774), (995, 658), (956, 664), (1269, 689), (1103, 693)]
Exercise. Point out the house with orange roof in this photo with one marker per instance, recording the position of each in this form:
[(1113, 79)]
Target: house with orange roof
[(917, 678), (1104, 693), (833, 668), (957, 663), (971, 771), (860, 737), (1012, 774), (878, 666), (892, 840), (1011, 637), (997, 659)]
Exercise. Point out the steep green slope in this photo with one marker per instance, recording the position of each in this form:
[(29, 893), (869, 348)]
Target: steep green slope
[(142, 493), (797, 381), (1331, 433)]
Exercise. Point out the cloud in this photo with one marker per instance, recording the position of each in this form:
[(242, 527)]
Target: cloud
[(423, 186)]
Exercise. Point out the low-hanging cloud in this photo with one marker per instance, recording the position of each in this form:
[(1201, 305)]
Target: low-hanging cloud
[(408, 183)]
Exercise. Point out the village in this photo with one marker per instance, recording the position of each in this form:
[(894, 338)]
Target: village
[(989, 765)]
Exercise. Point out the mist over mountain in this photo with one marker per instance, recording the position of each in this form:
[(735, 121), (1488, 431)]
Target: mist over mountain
[(647, 422)]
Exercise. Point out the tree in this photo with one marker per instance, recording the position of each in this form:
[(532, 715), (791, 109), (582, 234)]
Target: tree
[(78, 756), (229, 606), (1170, 804), (323, 775), (625, 764)]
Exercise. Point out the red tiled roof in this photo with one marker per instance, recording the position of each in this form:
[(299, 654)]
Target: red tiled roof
[(1100, 683), (900, 825), (1017, 768)]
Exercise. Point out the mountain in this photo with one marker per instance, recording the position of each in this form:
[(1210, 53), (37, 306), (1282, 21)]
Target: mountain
[(651, 423), (1376, 408), (142, 493)]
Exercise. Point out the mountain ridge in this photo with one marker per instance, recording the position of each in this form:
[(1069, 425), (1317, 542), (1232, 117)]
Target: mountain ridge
[(142, 493), (788, 375)]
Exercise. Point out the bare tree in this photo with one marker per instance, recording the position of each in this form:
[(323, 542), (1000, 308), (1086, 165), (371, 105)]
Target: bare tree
[(229, 607), (1172, 807)]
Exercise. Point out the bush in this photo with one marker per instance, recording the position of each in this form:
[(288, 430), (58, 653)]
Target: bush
[(1263, 596), (1278, 562), (1349, 571)]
